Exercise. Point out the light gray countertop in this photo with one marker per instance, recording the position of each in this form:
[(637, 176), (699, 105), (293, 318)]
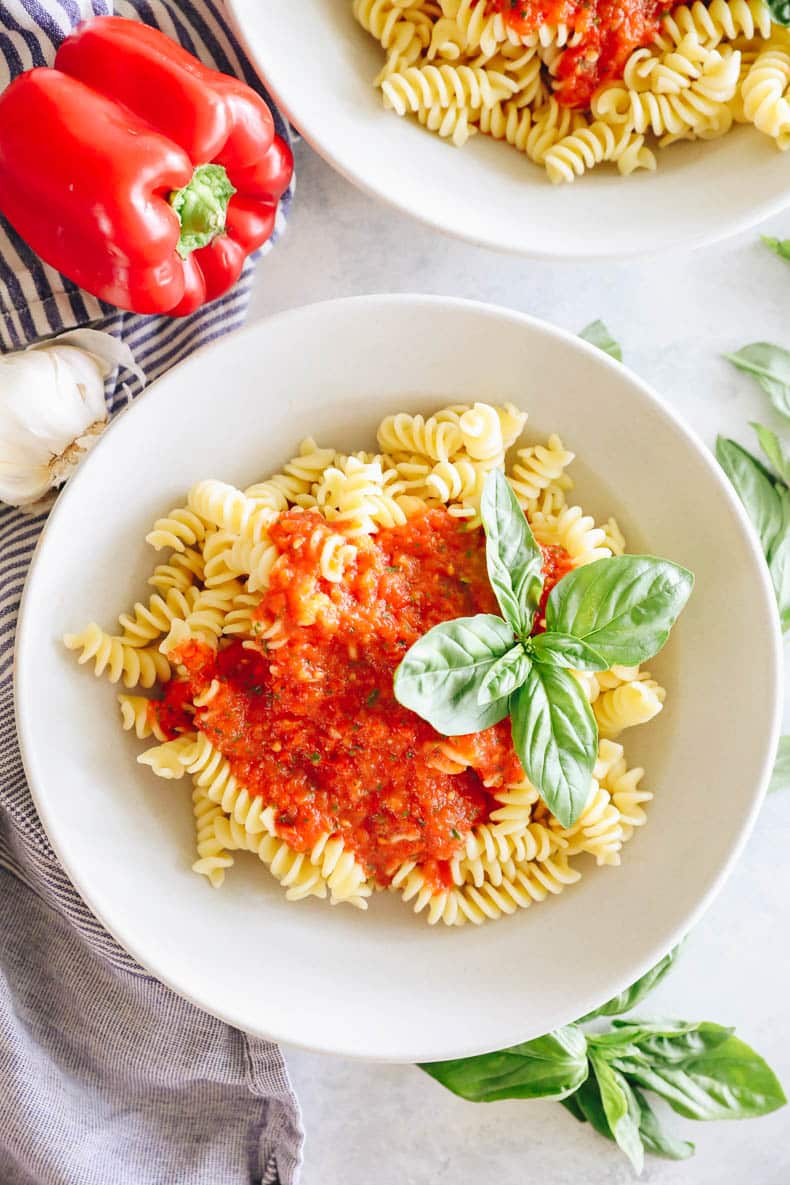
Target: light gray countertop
[(675, 316)]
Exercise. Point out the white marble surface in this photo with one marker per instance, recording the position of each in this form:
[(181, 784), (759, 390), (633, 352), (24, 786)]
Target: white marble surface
[(391, 1125)]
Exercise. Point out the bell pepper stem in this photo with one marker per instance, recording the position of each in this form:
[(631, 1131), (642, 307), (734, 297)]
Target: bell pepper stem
[(202, 207)]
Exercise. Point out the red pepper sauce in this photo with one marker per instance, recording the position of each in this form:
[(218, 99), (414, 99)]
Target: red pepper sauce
[(608, 30), (310, 721)]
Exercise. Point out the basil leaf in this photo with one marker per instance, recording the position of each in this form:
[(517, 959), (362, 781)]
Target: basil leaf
[(513, 558), (780, 247), (780, 778), (505, 676), (586, 1104), (670, 1040), (780, 11), (770, 366), (549, 1067), (598, 335), (756, 489), (707, 1073), (588, 1097), (556, 739), (563, 650), (571, 1103), (654, 1138), (779, 562), (775, 449), (629, 997), (624, 607), (621, 1110), (440, 675)]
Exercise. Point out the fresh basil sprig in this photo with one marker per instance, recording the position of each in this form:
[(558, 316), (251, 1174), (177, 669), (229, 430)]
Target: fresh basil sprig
[(466, 675), (597, 334), (770, 366), (766, 499), (780, 778), (701, 1069)]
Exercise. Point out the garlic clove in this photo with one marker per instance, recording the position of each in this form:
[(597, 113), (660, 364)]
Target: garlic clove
[(52, 409)]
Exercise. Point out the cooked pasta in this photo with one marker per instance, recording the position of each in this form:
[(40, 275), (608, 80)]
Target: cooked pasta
[(278, 610), (137, 665), (571, 93)]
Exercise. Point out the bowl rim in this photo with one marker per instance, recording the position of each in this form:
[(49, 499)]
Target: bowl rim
[(26, 627), (311, 134)]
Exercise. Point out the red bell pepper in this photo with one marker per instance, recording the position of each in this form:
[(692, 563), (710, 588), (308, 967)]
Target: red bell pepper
[(138, 172)]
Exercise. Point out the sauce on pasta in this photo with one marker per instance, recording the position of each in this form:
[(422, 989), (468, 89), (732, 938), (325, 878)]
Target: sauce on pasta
[(307, 717), (605, 31)]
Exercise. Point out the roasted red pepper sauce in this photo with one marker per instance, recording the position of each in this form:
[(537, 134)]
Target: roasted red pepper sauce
[(312, 724), (608, 31)]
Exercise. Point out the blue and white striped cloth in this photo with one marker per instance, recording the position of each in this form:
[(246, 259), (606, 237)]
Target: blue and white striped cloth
[(105, 1075)]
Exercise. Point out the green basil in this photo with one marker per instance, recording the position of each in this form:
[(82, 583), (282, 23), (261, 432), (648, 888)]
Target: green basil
[(770, 366), (756, 489), (780, 778), (549, 1067), (588, 1100), (505, 676), (563, 650), (627, 999), (624, 607), (767, 502), (775, 450), (704, 1073), (654, 1138), (598, 335), (780, 11), (572, 1104), (441, 673), (621, 1110), (780, 247), (513, 558), (556, 739), (587, 1106)]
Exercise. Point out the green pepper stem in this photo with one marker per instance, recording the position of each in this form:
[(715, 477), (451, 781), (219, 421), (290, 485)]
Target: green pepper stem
[(202, 207)]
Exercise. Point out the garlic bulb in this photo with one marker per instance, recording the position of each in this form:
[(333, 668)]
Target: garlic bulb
[(52, 409)]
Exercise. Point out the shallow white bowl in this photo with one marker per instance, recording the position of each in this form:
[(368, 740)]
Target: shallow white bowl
[(319, 64), (383, 984)]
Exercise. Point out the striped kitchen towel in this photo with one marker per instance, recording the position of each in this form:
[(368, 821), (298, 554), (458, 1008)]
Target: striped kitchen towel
[(105, 1075)]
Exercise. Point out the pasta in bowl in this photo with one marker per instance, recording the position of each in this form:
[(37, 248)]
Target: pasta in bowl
[(644, 105), (301, 971), (285, 609), (595, 83)]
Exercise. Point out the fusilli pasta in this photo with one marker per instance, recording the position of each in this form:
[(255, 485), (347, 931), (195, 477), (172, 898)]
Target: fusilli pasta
[(215, 591), (463, 66)]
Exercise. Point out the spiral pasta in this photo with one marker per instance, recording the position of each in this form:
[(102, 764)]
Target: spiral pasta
[(178, 529), (137, 717), (182, 571), (213, 858), (147, 622), (119, 659), (765, 94), (219, 587), (432, 438), (625, 706), (461, 67)]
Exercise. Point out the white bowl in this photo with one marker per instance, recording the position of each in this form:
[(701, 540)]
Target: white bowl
[(319, 64), (383, 984)]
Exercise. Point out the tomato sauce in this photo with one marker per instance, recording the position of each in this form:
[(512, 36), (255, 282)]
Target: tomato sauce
[(308, 718), (608, 31)]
